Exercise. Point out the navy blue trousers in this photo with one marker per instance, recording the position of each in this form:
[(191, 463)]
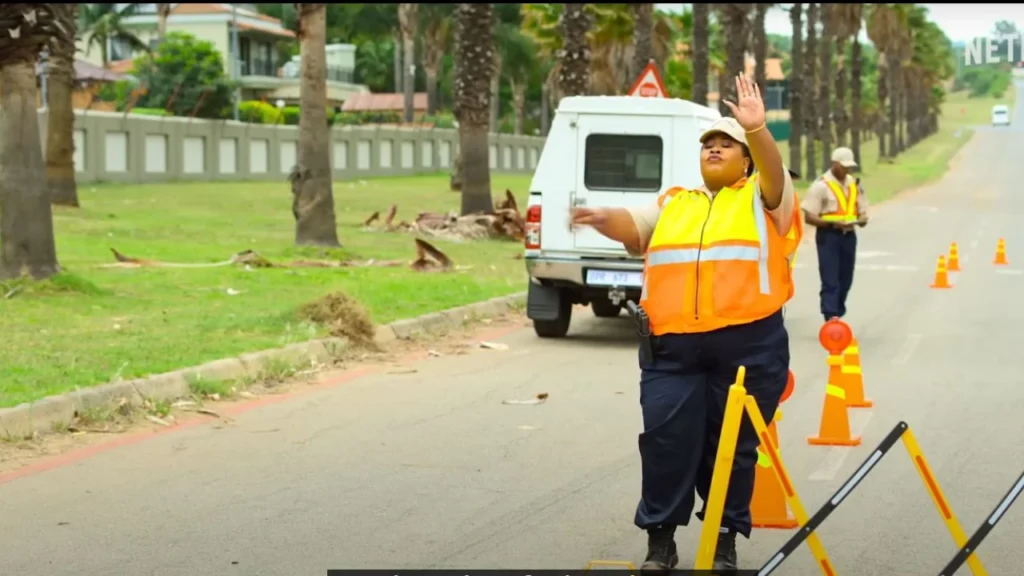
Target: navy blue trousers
[(683, 390), (837, 257)]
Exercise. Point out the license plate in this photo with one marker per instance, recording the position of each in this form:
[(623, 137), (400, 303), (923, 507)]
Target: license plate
[(614, 278)]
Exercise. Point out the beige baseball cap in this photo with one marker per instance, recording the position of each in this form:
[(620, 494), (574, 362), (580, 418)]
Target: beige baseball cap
[(731, 128), (728, 126), (844, 156)]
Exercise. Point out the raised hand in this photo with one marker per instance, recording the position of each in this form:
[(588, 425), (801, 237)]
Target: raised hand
[(749, 111)]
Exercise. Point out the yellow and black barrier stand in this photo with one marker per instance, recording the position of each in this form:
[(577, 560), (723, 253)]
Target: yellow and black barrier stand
[(808, 526), (737, 402)]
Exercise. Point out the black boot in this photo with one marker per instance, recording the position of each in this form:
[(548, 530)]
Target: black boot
[(725, 552), (661, 552)]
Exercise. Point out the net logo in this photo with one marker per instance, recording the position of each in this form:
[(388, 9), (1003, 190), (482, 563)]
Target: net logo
[(994, 50)]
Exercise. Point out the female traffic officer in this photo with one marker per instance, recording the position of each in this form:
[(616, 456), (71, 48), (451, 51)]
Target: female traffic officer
[(716, 277)]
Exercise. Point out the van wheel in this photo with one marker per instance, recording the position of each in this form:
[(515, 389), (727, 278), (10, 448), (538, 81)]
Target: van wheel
[(558, 327), (604, 308)]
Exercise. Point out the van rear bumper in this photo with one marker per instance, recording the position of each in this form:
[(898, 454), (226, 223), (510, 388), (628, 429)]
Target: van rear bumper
[(571, 270)]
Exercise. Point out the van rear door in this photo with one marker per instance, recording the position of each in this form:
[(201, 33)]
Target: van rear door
[(621, 164)]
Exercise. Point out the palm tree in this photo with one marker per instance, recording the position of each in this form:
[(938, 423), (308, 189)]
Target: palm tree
[(26, 219), (883, 26), (796, 85), (101, 23), (437, 37), (825, 50), (809, 109), (846, 23), (643, 37), (856, 83), (60, 121), (540, 23), (574, 76), (474, 54), (759, 40), (520, 69), (736, 28), (313, 198), (699, 47), (408, 16)]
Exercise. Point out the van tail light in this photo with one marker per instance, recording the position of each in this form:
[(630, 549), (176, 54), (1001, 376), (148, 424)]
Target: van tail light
[(533, 227)]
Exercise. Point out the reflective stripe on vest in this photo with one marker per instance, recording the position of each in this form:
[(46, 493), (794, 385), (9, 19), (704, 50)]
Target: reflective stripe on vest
[(715, 263), (847, 207)]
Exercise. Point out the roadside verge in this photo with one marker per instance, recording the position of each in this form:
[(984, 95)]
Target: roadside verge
[(55, 413)]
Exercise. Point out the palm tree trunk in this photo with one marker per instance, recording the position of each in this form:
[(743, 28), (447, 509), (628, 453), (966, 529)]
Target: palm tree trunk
[(699, 49), (809, 96), (901, 126), (840, 107), (519, 104), (824, 93), (408, 14), (855, 97), (163, 12), (734, 26), (26, 220), (495, 109), (796, 86), (760, 44), (396, 42), (545, 109), (894, 99), (311, 178), (643, 38), (883, 94), (432, 103), (475, 55), (60, 140), (574, 77)]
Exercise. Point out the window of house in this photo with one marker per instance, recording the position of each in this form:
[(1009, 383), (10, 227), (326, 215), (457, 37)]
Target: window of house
[(245, 55), (622, 163)]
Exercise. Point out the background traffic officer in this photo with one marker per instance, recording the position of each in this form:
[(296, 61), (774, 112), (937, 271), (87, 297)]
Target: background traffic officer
[(836, 205)]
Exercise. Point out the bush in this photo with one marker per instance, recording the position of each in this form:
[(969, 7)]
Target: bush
[(441, 120), (290, 115), (257, 112), (151, 112)]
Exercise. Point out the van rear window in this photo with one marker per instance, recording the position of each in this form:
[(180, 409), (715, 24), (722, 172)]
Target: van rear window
[(623, 163)]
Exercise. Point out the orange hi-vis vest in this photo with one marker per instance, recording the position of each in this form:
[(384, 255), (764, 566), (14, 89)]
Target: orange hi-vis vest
[(847, 207), (718, 262)]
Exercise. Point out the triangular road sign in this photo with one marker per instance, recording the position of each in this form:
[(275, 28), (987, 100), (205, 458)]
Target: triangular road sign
[(649, 84)]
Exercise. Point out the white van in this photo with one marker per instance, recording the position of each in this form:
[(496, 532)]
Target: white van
[(602, 151), (1000, 115)]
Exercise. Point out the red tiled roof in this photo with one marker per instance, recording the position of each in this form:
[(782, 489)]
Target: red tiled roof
[(278, 32), (219, 9), (375, 102)]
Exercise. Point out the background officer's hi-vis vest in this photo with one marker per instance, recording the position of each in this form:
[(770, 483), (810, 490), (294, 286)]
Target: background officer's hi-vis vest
[(716, 263), (846, 210)]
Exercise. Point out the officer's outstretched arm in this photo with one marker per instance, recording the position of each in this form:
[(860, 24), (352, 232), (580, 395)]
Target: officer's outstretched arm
[(618, 225)]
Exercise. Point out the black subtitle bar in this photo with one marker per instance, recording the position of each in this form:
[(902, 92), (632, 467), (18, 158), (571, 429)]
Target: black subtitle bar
[(599, 570)]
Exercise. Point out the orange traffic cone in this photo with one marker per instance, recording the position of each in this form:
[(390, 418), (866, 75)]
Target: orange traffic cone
[(835, 421), (1001, 253), (941, 275), (954, 258), (853, 379), (768, 506)]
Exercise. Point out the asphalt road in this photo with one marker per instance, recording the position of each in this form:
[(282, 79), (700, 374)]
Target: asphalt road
[(430, 469)]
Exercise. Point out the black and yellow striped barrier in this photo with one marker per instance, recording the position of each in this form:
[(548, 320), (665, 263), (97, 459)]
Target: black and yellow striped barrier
[(739, 402)]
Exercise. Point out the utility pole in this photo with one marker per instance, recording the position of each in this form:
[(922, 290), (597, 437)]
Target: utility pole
[(235, 63), (43, 88)]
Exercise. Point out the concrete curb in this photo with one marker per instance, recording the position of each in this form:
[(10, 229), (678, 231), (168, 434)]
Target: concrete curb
[(52, 413)]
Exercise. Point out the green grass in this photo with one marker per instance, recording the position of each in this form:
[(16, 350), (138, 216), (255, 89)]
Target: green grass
[(929, 159), (90, 325)]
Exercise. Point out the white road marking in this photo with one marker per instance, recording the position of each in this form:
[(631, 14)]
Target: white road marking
[(886, 268), (872, 254), (974, 243), (836, 456), (1009, 271), (907, 349)]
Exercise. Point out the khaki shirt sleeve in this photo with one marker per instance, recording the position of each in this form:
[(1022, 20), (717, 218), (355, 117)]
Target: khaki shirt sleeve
[(782, 215), (813, 202), (862, 202), (646, 218)]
